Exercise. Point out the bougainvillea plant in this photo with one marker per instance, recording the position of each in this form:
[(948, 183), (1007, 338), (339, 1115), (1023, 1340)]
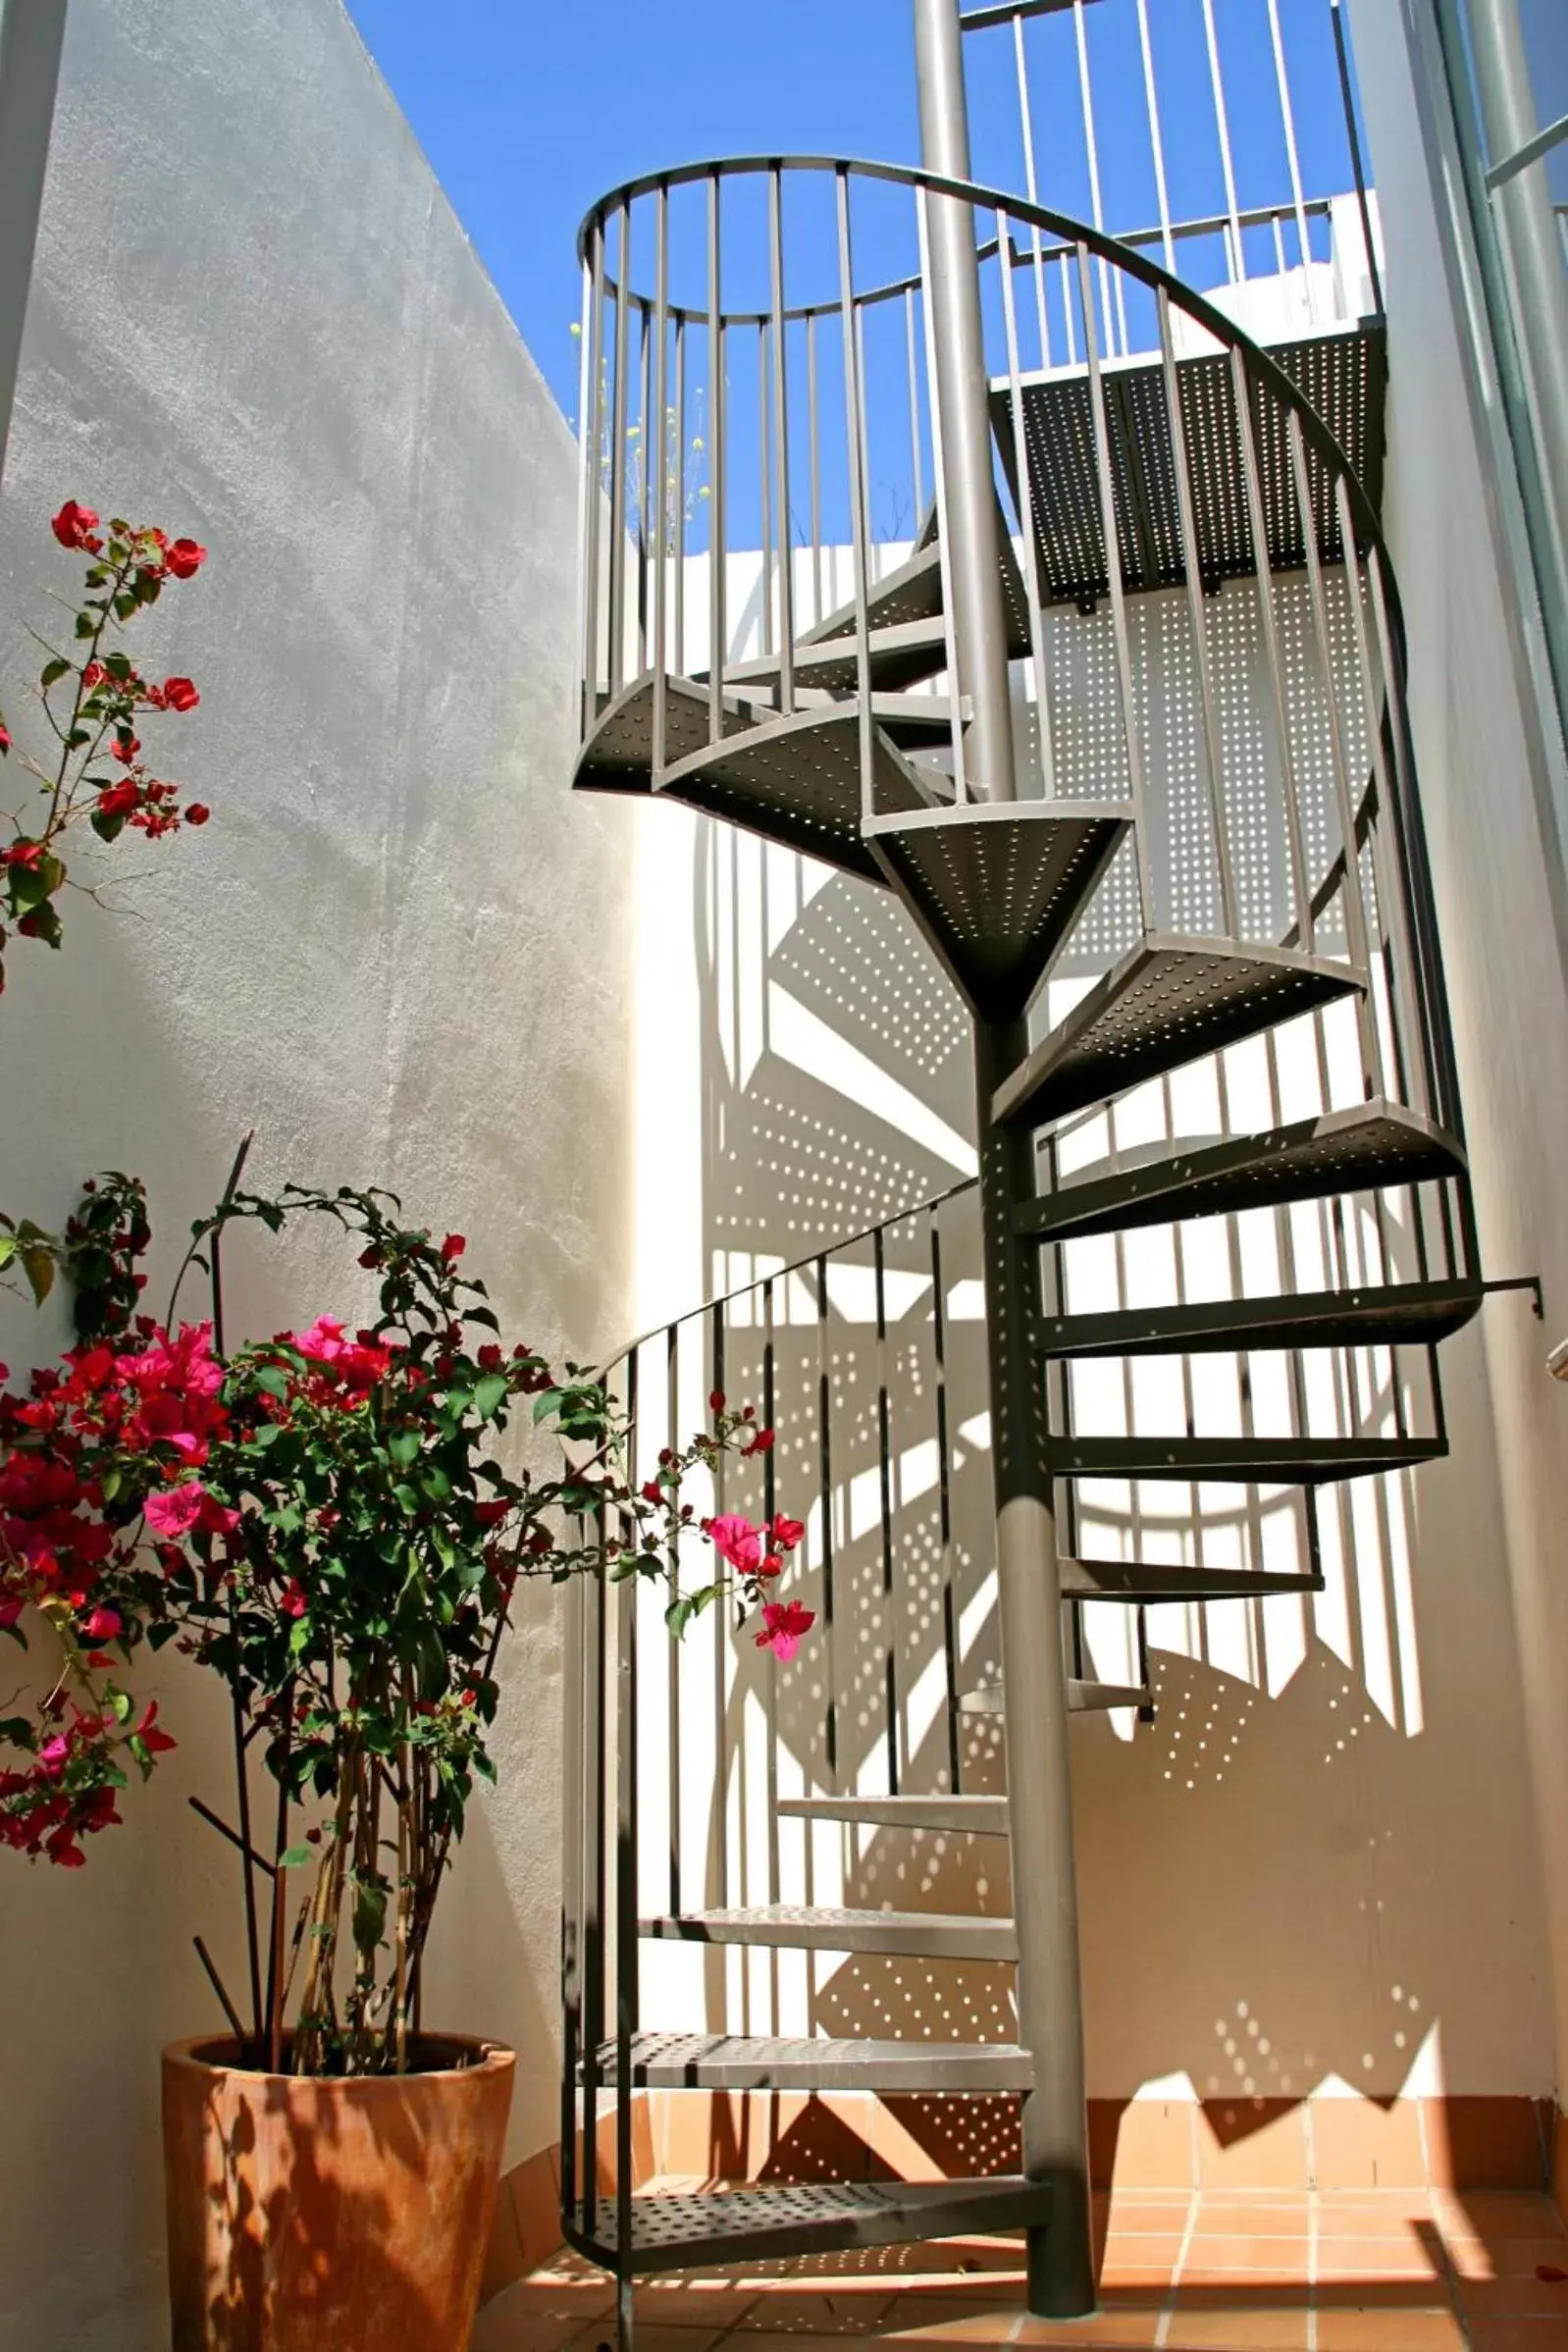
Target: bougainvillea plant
[(323, 1520), (92, 702)]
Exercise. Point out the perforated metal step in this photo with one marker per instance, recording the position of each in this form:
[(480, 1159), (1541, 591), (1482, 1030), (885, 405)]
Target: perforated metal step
[(996, 887), (1083, 1698), (1377, 1144), (1244, 1461), (1169, 1000), (1140, 1581), (1397, 1315), (978, 1817), (716, 2061), (797, 782), (784, 2223), (790, 1927), (618, 755), (1345, 376)]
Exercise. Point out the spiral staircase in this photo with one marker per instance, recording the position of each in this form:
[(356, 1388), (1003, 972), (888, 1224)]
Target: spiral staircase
[(1103, 470)]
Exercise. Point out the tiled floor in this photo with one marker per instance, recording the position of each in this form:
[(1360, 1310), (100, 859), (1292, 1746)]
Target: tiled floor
[(1369, 2271)]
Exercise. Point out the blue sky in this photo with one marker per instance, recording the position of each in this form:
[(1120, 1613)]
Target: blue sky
[(531, 109)]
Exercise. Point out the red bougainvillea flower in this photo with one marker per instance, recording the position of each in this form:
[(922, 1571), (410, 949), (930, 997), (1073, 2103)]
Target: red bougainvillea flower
[(354, 1365), (787, 1532), (183, 558), (158, 1742), (197, 813), (453, 1248), (103, 1623), (784, 1625), (771, 1564), (125, 749), (180, 693), (73, 527), (735, 1539), (291, 1600), (118, 800), (759, 1441), (22, 852), (5, 736)]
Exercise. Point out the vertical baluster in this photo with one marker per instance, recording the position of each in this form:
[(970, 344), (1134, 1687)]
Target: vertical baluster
[(1355, 910), (626, 1859), (681, 461), (672, 1359), (943, 537), (1353, 142), (944, 1489), (574, 1751), (1238, 254), (1115, 323), (1032, 187), (859, 525), (1031, 550), (717, 558), (766, 483), (916, 464), (659, 469), (1288, 121), (594, 1732), (1213, 746), (1132, 731), (814, 429), (1155, 140), (645, 498), (591, 489), (770, 1678), (781, 442), (721, 1870), (617, 461), (1257, 520), (884, 1473)]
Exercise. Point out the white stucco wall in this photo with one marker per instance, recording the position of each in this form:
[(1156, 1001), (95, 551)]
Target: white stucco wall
[(1485, 768), (396, 951)]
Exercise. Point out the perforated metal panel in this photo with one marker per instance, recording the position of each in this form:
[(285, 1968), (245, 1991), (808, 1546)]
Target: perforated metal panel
[(674, 2233), (997, 889), (673, 2061), (1252, 1461), (789, 1927), (618, 754), (1344, 1151), (1167, 1002), (797, 782)]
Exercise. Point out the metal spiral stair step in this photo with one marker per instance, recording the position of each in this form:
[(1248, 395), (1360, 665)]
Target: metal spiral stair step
[(797, 782), (1141, 1580), (789, 2222), (1343, 374), (996, 887), (1376, 1143), (1167, 1002), (974, 1816), (792, 1928), (1243, 1461), (717, 2061), (618, 755), (1390, 1315), (1083, 1698)]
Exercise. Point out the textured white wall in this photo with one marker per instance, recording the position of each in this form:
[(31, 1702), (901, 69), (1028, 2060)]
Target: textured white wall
[(397, 951), (1482, 784)]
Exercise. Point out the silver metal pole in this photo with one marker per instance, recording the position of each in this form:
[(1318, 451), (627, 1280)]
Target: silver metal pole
[(1527, 224), (1061, 2258), (31, 33), (970, 519)]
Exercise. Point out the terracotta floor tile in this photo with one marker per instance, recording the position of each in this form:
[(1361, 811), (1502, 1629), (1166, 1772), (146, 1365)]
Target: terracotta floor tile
[(1505, 2257), (1389, 2331), (1107, 2329), (912, 2322), (1200, 2327), (821, 2316), (1497, 2212), (500, 2329), (1262, 2217), (1281, 2256), (1515, 2298), (1521, 2335), (650, 2337), (1376, 2258)]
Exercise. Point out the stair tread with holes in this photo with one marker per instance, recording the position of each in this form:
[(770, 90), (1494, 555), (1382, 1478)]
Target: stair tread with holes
[(1169, 1001), (794, 1927), (1083, 1698), (1376, 1143), (674, 2061), (1381, 1315), (1244, 1461), (618, 754), (792, 2221), (996, 887), (980, 1816), (1141, 1580), (797, 781), (1343, 373)]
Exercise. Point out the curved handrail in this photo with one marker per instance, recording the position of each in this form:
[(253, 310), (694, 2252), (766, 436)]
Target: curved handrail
[(1099, 243)]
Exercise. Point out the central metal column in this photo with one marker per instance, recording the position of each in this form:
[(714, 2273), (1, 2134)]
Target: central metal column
[(1062, 2281), (31, 33)]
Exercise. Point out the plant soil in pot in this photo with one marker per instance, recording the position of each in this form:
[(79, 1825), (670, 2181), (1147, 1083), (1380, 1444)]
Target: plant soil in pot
[(331, 2214)]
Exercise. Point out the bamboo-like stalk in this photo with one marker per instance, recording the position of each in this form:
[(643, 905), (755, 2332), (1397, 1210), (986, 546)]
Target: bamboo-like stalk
[(405, 1808)]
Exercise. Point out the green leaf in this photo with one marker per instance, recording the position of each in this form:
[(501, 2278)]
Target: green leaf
[(298, 1857), (107, 827), (272, 1378), (370, 1915), (546, 1402), (299, 1637), (489, 1394), (404, 1445), (52, 672)]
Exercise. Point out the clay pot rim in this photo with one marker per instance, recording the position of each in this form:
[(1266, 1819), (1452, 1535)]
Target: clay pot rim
[(483, 2057)]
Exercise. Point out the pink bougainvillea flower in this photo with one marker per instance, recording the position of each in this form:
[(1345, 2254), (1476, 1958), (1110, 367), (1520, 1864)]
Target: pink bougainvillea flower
[(184, 557), (358, 1364), (784, 1624), (735, 1539), (174, 1511), (73, 527)]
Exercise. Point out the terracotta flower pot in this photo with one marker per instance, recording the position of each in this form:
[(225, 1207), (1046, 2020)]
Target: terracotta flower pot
[(330, 2215)]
